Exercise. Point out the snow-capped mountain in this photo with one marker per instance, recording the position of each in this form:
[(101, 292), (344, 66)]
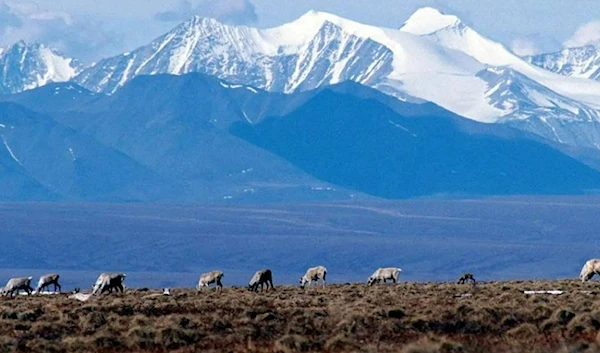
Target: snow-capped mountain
[(433, 56), (312, 51), (26, 66), (577, 62)]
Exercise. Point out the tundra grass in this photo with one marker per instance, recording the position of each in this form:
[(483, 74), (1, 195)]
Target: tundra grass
[(404, 317)]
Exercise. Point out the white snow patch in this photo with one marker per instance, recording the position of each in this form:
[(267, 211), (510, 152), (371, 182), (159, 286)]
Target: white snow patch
[(428, 20), (402, 128), (545, 121), (126, 73), (72, 153), (552, 292), (246, 116), (322, 188), (10, 151), (59, 69)]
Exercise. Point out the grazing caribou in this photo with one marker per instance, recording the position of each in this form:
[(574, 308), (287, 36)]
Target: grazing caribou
[(466, 277), (46, 280), (590, 268), (16, 284), (106, 282), (383, 274), (210, 277), (313, 274), (261, 277)]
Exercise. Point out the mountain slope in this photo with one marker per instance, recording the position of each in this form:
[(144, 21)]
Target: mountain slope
[(24, 67), (577, 62), (177, 126), (209, 140), (449, 32), (315, 50), (71, 164), (17, 183), (364, 145), (434, 57)]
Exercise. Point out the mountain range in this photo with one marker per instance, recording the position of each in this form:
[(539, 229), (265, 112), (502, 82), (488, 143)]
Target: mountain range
[(319, 108), (24, 67), (432, 57)]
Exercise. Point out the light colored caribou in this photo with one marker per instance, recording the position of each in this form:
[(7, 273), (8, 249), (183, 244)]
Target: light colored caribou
[(261, 277), (106, 282), (210, 277), (165, 293), (590, 268), (46, 280), (314, 274), (14, 285), (383, 274)]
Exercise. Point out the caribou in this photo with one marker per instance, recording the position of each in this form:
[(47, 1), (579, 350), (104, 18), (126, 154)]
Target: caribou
[(261, 277), (590, 268), (466, 277), (313, 274), (106, 282), (16, 284), (46, 280), (383, 274), (210, 277)]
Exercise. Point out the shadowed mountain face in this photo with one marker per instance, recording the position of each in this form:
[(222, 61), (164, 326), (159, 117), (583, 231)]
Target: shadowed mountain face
[(364, 145), (53, 161), (197, 138)]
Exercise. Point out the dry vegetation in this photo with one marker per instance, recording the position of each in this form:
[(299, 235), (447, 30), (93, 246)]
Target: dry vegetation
[(409, 317)]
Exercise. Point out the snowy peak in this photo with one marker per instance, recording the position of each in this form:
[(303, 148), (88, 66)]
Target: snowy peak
[(434, 57), (428, 20), (316, 19), (520, 97), (25, 66), (581, 62)]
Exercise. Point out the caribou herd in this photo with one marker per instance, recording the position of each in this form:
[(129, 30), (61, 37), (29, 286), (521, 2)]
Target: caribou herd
[(108, 282)]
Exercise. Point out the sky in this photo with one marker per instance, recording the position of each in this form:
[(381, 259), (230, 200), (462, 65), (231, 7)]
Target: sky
[(90, 30)]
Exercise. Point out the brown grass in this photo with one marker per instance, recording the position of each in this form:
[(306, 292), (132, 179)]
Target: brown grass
[(408, 317)]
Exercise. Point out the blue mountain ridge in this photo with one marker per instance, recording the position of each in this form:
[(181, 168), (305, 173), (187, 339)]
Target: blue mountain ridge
[(195, 138)]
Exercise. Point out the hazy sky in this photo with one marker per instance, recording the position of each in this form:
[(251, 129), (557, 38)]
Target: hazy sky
[(91, 29)]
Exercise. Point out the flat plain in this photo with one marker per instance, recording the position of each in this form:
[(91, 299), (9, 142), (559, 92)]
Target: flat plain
[(405, 317), (161, 245)]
